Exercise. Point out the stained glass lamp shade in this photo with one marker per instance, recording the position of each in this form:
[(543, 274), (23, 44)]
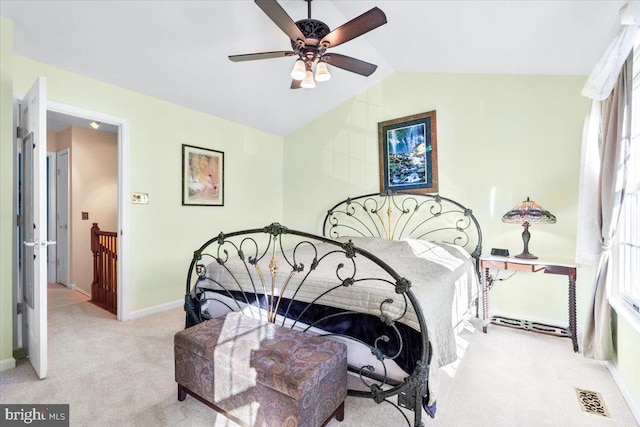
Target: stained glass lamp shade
[(527, 213)]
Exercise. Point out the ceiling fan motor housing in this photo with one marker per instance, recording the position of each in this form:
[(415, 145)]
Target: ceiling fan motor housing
[(313, 31)]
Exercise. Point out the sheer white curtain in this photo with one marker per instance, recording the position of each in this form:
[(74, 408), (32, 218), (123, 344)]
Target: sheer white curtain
[(603, 174)]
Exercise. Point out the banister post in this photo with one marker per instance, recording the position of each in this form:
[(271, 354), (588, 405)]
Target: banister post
[(94, 238), (95, 248)]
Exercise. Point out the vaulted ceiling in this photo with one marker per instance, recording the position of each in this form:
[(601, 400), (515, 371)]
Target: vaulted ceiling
[(178, 50)]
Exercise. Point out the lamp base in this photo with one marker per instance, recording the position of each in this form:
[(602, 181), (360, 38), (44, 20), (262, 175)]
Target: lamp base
[(526, 255), (525, 239)]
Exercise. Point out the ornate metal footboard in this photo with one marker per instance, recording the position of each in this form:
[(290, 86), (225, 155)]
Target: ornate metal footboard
[(321, 286), (396, 216)]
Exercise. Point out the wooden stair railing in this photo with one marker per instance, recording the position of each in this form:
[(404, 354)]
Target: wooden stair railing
[(104, 289)]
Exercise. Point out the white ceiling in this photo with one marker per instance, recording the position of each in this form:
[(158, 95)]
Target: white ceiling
[(177, 50)]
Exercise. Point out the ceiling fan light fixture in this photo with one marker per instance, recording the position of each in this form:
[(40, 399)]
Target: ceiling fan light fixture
[(322, 72), (299, 70), (310, 38), (308, 82)]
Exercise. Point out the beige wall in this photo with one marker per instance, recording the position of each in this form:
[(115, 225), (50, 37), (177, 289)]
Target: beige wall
[(93, 171), (63, 139), (52, 141), (94, 189)]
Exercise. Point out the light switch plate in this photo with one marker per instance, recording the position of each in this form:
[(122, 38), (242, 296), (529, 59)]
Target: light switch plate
[(140, 198)]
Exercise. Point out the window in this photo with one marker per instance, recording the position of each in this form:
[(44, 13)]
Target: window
[(627, 252)]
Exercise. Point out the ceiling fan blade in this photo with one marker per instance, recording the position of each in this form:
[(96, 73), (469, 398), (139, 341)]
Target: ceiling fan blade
[(354, 28), (281, 19), (350, 64), (295, 84), (261, 55)]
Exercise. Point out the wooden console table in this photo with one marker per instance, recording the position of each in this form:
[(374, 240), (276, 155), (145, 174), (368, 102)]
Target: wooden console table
[(530, 265)]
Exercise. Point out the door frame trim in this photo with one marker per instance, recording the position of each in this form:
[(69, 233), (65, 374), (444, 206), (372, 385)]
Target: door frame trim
[(52, 229), (16, 277), (67, 255), (124, 274)]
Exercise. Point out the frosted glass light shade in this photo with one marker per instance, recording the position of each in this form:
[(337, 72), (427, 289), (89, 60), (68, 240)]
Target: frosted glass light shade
[(322, 72), (308, 82), (299, 70)]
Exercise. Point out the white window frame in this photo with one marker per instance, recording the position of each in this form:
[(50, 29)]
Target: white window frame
[(626, 251)]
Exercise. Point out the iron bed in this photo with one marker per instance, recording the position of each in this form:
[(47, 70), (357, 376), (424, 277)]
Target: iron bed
[(351, 284)]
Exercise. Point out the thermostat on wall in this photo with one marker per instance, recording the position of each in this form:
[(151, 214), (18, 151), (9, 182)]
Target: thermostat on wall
[(140, 198)]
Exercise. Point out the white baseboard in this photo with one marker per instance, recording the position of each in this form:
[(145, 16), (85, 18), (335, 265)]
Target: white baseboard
[(7, 364), (623, 389), (155, 309), (82, 291)]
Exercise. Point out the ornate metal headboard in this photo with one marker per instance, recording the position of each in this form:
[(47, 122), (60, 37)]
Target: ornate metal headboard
[(396, 216)]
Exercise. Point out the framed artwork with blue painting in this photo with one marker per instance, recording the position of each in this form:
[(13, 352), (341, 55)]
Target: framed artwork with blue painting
[(409, 154)]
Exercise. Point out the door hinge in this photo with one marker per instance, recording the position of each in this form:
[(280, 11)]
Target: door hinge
[(18, 221), (20, 132), (19, 308)]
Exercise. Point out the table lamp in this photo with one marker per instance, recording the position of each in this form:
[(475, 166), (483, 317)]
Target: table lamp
[(527, 213)]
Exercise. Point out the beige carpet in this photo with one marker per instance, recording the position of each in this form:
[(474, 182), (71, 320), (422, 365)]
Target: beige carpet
[(121, 374)]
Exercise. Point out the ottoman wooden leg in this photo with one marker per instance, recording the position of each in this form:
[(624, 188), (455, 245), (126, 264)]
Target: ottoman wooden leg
[(181, 393), (338, 414)]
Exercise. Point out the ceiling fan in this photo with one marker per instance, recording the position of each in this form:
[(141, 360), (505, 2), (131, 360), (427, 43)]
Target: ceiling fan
[(310, 40)]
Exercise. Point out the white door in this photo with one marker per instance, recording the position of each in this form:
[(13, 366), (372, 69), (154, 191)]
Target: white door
[(62, 217), (33, 135)]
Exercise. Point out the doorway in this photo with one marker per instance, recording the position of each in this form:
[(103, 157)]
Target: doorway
[(66, 115), (85, 188), (120, 127)]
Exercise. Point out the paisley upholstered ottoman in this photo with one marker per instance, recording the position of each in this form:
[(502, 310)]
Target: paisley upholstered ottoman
[(262, 375)]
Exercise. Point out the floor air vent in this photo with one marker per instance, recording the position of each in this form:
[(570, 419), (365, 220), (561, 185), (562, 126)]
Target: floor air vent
[(592, 402)]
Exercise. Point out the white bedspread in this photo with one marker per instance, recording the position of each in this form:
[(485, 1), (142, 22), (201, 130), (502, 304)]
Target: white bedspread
[(435, 270)]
